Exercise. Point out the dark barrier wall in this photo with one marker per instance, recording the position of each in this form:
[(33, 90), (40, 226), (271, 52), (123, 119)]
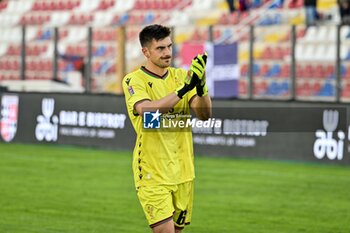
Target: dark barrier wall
[(89, 120), (259, 129), (278, 130)]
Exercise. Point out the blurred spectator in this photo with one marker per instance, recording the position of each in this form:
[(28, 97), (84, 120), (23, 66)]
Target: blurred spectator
[(311, 14), (277, 4), (77, 61), (243, 5), (231, 5), (255, 3), (344, 11), (292, 4)]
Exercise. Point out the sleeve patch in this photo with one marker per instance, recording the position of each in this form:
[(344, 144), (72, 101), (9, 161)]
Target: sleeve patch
[(131, 90)]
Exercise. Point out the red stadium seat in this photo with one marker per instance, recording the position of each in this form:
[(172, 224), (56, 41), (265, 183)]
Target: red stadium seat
[(223, 19), (115, 19), (80, 18), (7, 65), (319, 71), (112, 69), (301, 33), (133, 19), (150, 4), (217, 33), (112, 35), (308, 89), (3, 5), (69, 5), (264, 69), (329, 70), (165, 4), (110, 50), (300, 88), (34, 19), (260, 87), (267, 53), (346, 90), (95, 66), (244, 69), (199, 35), (31, 65), (14, 50), (52, 6), (173, 4), (36, 6), (316, 87), (48, 6), (234, 18), (13, 76), (2, 65), (105, 4), (309, 71), (30, 76), (97, 35), (278, 53), (298, 70), (295, 4), (138, 5), (61, 64), (242, 87), (60, 5), (285, 71), (347, 73)]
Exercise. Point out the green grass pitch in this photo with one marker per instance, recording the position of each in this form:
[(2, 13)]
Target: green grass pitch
[(59, 189)]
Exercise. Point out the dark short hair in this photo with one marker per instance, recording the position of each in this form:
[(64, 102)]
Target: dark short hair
[(155, 31)]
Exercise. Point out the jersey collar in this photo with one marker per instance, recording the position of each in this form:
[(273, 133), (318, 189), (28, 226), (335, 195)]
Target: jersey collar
[(150, 73)]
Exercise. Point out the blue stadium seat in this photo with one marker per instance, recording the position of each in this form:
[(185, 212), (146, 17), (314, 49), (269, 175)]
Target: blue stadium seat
[(149, 18), (273, 89), (46, 35), (327, 90), (100, 51), (123, 19), (256, 69), (285, 87), (274, 71)]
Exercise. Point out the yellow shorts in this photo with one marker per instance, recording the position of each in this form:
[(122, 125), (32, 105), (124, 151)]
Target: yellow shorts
[(165, 202)]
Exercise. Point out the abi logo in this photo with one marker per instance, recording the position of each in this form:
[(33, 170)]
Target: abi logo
[(325, 144), (47, 127), (151, 120)]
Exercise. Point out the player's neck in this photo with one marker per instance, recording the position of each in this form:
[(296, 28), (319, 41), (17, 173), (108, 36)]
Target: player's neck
[(156, 69)]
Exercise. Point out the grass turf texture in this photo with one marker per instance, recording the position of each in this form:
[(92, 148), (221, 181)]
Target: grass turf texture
[(47, 189)]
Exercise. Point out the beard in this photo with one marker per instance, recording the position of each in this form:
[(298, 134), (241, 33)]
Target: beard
[(163, 62)]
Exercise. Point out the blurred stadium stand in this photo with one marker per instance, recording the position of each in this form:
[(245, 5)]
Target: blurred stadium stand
[(194, 21)]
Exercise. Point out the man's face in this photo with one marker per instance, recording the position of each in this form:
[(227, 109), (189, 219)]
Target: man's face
[(159, 52)]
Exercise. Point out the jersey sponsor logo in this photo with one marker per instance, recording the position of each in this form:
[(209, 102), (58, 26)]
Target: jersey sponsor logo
[(150, 84), (151, 120), (9, 117), (127, 81)]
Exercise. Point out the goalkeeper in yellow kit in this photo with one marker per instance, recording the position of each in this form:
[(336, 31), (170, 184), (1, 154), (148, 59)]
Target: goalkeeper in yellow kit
[(163, 161)]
